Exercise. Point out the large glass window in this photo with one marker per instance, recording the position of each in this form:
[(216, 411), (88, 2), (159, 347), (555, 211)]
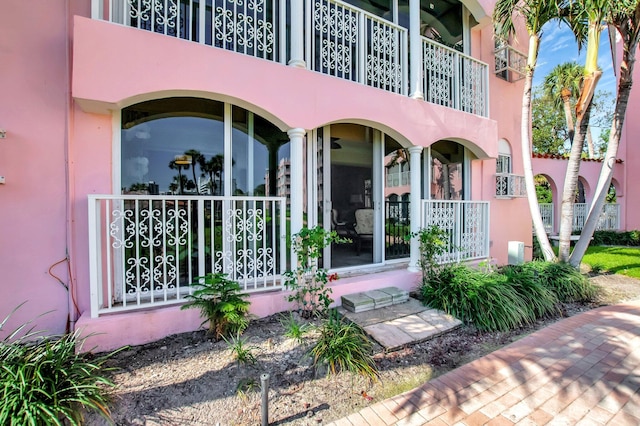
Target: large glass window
[(179, 146)]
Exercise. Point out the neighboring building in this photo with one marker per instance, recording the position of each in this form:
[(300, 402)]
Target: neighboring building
[(223, 105)]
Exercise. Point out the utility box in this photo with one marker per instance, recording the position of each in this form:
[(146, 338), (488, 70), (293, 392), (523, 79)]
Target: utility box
[(516, 253)]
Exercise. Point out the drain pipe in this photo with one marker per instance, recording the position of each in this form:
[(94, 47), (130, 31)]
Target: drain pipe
[(264, 383)]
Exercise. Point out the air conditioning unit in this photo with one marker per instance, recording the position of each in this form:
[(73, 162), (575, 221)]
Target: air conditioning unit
[(516, 253)]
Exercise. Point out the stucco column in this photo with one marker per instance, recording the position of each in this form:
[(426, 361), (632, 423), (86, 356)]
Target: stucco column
[(296, 136), (415, 51), (297, 34), (414, 202)]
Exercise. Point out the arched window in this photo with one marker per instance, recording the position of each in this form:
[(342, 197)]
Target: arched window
[(192, 146)]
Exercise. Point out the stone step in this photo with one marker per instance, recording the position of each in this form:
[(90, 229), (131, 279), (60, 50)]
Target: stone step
[(374, 299)]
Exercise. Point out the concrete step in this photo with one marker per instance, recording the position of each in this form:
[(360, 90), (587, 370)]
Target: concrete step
[(374, 299)]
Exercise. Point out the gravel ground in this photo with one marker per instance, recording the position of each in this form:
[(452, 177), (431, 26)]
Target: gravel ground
[(188, 379)]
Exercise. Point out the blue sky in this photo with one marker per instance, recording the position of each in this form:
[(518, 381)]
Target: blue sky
[(558, 46)]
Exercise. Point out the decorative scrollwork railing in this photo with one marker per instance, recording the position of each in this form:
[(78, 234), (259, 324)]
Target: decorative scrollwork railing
[(147, 250), (250, 27)]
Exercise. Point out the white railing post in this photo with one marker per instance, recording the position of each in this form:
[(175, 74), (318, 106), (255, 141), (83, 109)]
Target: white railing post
[(282, 31), (362, 41), (414, 202), (297, 35), (415, 54), (95, 278), (296, 136)]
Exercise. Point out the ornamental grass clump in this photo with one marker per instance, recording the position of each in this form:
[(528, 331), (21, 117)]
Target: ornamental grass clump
[(485, 299), (565, 281), (343, 346), (44, 381), (221, 304)]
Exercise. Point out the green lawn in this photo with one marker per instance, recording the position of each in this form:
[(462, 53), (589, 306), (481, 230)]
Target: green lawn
[(618, 260)]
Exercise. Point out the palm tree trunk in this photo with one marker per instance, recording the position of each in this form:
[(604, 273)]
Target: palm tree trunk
[(525, 129), (583, 112), (590, 146), (606, 172), (568, 114)]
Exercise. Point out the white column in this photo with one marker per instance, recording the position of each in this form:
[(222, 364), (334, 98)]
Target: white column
[(296, 136), (297, 34), (414, 198), (415, 51)]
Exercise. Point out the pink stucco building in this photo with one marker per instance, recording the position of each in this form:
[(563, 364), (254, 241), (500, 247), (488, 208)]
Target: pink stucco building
[(143, 141)]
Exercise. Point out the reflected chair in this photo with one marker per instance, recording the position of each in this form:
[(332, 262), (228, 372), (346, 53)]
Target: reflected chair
[(363, 227)]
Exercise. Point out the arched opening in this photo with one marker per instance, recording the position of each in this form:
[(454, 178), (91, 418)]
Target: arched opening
[(544, 193), (193, 146)]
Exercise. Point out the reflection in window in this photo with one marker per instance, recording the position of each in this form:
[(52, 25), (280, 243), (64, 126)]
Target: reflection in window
[(446, 171), (177, 146)]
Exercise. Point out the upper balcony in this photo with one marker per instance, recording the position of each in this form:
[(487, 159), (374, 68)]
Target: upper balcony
[(332, 37)]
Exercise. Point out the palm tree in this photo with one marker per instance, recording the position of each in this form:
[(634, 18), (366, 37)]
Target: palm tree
[(625, 18), (562, 85), (535, 14), (195, 159), (593, 13)]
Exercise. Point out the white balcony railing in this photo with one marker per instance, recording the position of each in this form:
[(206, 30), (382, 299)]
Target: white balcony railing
[(251, 27), (398, 179), (510, 185), (510, 64), (453, 79), (146, 250), (347, 42), (340, 40), (466, 222)]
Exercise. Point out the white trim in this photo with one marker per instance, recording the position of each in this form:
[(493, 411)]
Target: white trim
[(116, 151), (377, 196)]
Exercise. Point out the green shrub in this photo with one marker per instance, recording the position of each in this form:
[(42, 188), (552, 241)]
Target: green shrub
[(221, 304), (343, 346), (433, 242), (43, 381), (294, 329), (615, 238), (568, 284), (540, 300), (485, 299), (307, 281)]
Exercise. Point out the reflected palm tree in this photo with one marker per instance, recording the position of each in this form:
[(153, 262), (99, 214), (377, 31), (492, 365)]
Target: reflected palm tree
[(212, 168), (196, 158)]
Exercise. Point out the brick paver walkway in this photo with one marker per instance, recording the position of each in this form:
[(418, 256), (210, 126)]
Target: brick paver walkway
[(584, 370)]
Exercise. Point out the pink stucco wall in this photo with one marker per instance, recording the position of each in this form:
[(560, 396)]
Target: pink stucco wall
[(69, 75), (34, 82)]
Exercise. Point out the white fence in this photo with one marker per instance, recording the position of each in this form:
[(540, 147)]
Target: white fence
[(147, 250), (546, 211), (609, 218), (466, 222), (453, 79)]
